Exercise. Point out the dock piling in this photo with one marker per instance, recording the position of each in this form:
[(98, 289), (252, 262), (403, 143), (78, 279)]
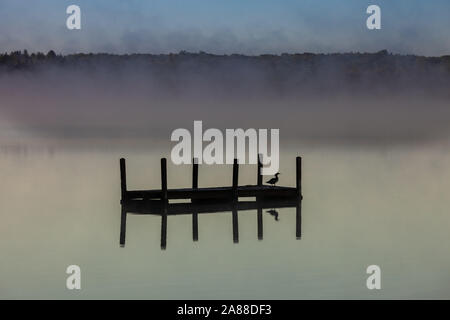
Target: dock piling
[(164, 179), (259, 175), (298, 210), (123, 226), (164, 202), (195, 173), (235, 224), (194, 186), (298, 168), (235, 177), (259, 214), (164, 230), (195, 226), (298, 220), (260, 223), (123, 180), (235, 199)]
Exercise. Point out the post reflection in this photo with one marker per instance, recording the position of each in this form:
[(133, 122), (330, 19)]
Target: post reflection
[(164, 209)]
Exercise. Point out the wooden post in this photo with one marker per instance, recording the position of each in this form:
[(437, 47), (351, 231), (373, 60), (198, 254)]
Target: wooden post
[(298, 220), (194, 186), (195, 226), (259, 213), (123, 180), (164, 203), (123, 225), (164, 179), (235, 224), (298, 168), (298, 209), (259, 177), (260, 223), (235, 177), (195, 173), (235, 200), (164, 229)]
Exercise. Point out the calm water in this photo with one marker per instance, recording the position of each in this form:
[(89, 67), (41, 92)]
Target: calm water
[(362, 206)]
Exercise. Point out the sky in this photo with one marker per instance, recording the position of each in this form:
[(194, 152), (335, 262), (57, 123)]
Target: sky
[(226, 26)]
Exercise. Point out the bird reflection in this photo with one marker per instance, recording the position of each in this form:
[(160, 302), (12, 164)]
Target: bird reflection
[(211, 206), (273, 213)]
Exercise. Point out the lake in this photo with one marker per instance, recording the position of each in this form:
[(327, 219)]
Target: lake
[(363, 205)]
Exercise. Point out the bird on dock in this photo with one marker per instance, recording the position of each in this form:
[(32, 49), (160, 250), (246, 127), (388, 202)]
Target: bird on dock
[(274, 213), (273, 181)]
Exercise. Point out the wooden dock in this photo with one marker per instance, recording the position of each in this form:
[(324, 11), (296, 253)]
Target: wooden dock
[(209, 200), (234, 191)]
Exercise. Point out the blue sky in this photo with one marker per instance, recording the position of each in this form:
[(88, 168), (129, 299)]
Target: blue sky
[(226, 26)]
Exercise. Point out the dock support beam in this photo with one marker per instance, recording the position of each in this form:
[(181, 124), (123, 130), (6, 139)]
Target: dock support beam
[(235, 224), (298, 220), (195, 226), (235, 177), (298, 209), (164, 230), (260, 223), (194, 186), (123, 225), (164, 179), (235, 200), (123, 189), (123, 180), (164, 202), (194, 173), (260, 211), (259, 177), (298, 168)]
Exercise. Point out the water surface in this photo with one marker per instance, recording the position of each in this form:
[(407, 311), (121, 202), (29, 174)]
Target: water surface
[(368, 205)]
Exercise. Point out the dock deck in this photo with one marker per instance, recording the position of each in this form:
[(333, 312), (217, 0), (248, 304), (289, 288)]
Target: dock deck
[(214, 193)]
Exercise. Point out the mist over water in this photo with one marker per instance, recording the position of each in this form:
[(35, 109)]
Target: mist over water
[(109, 100)]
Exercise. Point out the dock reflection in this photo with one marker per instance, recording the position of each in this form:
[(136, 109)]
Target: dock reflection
[(196, 207)]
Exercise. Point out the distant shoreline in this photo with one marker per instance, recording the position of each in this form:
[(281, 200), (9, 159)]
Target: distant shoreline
[(52, 53), (283, 74)]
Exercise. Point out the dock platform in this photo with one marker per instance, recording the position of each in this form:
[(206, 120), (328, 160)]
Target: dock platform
[(209, 200), (212, 193)]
